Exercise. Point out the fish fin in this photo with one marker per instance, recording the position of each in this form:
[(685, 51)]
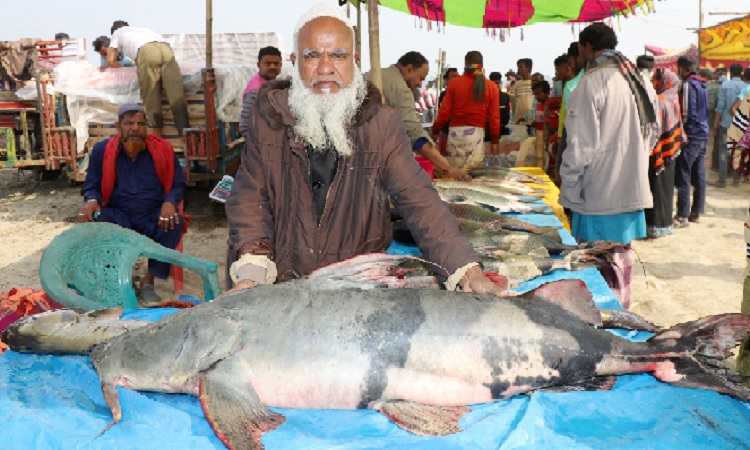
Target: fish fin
[(710, 340), (368, 271), (529, 198), (112, 398), (233, 408), (542, 209), (616, 318), (588, 384), (491, 208), (108, 313), (553, 234), (421, 419), (571, 295), (539, 252), (453, 198)]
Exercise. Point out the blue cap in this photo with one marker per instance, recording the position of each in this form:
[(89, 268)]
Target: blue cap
[(130, 107)]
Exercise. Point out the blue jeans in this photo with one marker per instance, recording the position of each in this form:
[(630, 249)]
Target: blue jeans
[(691, 169), (720, 146)]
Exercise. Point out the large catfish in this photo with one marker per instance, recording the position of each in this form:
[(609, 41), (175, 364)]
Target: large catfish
[(419, 356)]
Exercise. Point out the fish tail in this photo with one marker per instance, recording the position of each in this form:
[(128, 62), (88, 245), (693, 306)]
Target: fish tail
[(552, 233), (708, 342)]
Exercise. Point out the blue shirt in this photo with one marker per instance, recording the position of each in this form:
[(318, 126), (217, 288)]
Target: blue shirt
[(124, 61), (743, 94), (728, 92), (138, 190)]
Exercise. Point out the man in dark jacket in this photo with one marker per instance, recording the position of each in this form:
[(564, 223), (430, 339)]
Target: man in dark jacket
[(691, 162), (323, 163), (497, 78)]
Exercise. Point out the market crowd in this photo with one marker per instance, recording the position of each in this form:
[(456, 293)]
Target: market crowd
[(328, 154)]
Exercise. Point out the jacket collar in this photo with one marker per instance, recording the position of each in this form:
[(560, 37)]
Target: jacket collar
[(273, 104)]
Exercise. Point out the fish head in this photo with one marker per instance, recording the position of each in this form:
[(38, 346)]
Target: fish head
[(26, 333)]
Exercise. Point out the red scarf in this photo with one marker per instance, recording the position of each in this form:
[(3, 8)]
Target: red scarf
[(161, 152)]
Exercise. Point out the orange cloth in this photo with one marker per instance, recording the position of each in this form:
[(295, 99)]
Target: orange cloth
[(21, 302), (459, 109)]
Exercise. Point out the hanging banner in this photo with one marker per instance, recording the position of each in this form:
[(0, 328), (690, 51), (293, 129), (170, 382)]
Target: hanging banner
[(727, 41), (500, 14)]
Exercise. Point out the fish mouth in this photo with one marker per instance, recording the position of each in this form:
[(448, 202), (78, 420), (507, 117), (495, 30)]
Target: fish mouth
[(20, 342)]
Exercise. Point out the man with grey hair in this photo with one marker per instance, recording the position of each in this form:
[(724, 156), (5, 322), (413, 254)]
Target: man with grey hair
[(323, 163)]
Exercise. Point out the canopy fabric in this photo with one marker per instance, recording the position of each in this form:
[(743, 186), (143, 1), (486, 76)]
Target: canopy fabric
[(515, 13), (666, 58), (727, 41)]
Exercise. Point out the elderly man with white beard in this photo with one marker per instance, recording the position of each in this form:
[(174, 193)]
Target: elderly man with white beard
[(324, 161)]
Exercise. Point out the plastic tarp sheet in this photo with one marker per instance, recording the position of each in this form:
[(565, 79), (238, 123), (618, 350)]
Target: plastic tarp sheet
[(54, 402), (94, 96)]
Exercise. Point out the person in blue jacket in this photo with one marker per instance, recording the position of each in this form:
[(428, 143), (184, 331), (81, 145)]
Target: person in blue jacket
[(691, 168)]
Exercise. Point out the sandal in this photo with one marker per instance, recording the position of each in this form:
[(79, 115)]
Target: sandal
[(680, 222), (694, 217)]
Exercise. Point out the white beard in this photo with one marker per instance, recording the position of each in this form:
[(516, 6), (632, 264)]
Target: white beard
[(324, 120)]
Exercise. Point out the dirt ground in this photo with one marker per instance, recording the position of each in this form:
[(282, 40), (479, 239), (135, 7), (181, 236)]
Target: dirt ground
[(695, 272)]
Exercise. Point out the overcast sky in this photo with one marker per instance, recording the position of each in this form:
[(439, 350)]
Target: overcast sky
[(668, 27)]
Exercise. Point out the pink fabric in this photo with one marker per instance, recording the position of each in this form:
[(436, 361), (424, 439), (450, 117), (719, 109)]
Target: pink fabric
[(619, 275), (745, 140), (255, 83)]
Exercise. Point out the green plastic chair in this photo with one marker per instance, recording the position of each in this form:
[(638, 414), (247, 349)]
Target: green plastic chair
[(89, 266)]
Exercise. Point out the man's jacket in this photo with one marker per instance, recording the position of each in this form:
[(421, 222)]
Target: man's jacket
[(695, 107), (271, 210)]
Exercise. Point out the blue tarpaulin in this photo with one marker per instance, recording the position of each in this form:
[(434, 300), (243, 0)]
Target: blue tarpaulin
[(54, 402)]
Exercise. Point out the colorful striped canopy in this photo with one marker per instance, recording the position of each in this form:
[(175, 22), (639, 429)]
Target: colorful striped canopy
[(515, 13)]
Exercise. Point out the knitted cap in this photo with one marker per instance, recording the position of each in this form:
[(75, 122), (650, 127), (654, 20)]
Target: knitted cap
[(320, 10)]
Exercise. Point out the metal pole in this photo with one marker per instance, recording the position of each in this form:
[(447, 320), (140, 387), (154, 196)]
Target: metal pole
[(209, 34), (374, 37)]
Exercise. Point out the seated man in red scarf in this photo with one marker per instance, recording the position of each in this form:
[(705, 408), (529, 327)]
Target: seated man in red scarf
[(136, 189)]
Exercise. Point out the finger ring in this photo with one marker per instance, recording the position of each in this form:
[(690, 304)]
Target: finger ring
[(81, 214), (162, 218)]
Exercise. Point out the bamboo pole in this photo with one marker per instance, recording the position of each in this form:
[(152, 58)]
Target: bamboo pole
[(374, 36), (209, 34), (439, 85), (358, 35)]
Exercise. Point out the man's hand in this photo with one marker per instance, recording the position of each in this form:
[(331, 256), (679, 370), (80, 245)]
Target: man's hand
[(168, 217), (244, 284), (86, 213), (495, 149), (476, 281), (458, 175)]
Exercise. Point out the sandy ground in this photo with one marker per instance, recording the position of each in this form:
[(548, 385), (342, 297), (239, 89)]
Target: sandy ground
[(693, 273)]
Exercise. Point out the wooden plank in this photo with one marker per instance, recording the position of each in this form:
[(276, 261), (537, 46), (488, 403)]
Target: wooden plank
[(195, 113)]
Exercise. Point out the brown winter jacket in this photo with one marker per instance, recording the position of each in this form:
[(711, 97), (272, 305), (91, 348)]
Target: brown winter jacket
[(271, 210)]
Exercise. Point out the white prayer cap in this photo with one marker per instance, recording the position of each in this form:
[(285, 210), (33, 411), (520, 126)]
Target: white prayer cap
[(320, 10)]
